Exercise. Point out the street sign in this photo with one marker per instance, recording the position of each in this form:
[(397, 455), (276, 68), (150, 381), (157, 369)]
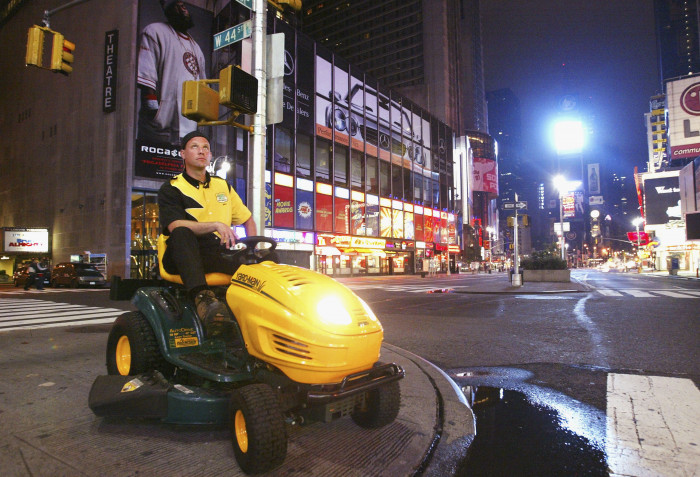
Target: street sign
[(233, 34), (246, 3), (514, 205)]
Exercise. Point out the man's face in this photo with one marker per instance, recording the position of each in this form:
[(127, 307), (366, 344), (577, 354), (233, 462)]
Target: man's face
[(179, 17), (196, 153)]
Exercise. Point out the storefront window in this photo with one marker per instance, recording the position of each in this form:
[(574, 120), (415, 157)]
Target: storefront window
[(144, 235)]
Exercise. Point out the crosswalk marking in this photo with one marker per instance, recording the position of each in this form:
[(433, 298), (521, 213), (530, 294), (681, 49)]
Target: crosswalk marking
[(639, 293), (672, 294), (606, 292), (47, 291), (18, 314), (652, 425)]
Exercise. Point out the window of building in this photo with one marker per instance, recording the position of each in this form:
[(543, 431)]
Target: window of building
[(384, 181), (323, 160), (340, 164), (418, 187), (372, 185), (407, 185), (304, 162), (284, 147), (357, 170), (396, 182)]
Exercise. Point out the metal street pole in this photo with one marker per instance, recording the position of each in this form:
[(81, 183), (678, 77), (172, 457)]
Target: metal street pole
[(256, 170), (517, 282), (639, 259), (561, 226)]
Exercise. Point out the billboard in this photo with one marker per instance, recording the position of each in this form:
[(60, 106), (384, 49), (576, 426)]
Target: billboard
[(662, 200), (172, 50), (26, 240), (485, 175), (684, 117)]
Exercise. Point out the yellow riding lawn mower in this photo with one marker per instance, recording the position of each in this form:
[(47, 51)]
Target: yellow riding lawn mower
[(299, 348)]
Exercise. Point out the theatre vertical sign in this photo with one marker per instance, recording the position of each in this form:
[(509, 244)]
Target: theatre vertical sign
[(109, 83)]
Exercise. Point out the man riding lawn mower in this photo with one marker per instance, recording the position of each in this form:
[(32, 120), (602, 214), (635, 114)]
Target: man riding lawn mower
[(298, 347)]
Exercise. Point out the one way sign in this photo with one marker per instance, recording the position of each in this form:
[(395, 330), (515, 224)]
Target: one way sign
[(515, 205)]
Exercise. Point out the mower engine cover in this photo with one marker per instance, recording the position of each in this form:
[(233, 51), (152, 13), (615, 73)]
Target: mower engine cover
[(314, 329)]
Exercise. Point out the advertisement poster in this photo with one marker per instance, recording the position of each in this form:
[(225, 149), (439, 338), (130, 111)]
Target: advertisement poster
[(662, 200), (357, 220), (304, 208), (683, 97), (268, 204), (485, 175), (171, 51), (385, 222), (342, 215), (397, 216), (428, 235), (418, 227), (283, 208), (593, 179), (26, 240), (372, 220), (568, 204), (408, 230), (324, 212)]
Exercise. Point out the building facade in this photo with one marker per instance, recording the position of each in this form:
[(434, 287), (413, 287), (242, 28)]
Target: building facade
[(359, 179)]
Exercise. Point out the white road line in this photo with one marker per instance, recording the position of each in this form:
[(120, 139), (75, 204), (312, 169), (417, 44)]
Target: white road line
[(673, 294), (639, 293), (33, 314), (606, 292), (652, 426)]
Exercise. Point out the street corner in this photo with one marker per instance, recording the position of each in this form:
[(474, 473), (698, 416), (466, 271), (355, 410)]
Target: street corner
[(448, 427)]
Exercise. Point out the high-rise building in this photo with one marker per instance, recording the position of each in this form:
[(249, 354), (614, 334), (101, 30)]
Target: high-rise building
[(427, 51), (677, 38)]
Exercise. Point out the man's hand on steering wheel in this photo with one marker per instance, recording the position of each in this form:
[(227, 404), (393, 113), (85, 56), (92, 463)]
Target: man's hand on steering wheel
[(228, 236)]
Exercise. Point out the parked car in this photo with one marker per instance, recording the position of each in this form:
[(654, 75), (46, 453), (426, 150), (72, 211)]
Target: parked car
[(20, 276), (75, 274)]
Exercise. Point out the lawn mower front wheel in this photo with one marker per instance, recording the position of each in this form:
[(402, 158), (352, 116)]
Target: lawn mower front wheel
[(257, 429)]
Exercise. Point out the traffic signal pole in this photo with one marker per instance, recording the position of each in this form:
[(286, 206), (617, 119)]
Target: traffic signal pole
[(256, 169), (517, 282), (48, 13)]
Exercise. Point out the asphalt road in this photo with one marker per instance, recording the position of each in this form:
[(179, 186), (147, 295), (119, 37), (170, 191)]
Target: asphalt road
[(561, 352)]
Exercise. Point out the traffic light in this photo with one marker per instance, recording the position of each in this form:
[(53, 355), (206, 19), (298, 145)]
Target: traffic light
[(35, 46), (199, 101), (238, 90), (511, 221), (526, 220), (62, 55)]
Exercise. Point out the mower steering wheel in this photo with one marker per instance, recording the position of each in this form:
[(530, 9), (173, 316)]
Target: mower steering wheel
[(253, 254)]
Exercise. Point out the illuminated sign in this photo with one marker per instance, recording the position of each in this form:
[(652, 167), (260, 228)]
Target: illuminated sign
[(26, 240)]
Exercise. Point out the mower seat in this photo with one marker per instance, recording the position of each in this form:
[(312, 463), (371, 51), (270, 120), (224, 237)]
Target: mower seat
[(213, 279)]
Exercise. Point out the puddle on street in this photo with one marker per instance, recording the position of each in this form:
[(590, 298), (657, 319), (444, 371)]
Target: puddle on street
[(516, 436)]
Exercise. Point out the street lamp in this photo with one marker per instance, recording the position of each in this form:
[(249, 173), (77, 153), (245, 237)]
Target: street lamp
[(637, 222)]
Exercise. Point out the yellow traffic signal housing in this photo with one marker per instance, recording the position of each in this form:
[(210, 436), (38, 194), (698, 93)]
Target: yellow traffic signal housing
[(62, 55), (35, 46), (511, 221), (199, 101), (526, 220), (238, 90)]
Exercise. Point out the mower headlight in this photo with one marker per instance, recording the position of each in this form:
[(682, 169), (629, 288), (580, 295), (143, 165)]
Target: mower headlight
[(332, 311)]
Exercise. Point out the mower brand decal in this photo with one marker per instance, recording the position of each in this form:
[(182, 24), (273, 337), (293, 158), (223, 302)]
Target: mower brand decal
[(183, 337), (252, 282), (183, 389), (132, 385), (221, 198)]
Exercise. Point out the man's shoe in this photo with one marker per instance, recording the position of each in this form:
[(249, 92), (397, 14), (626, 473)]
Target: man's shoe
[(212, 312)]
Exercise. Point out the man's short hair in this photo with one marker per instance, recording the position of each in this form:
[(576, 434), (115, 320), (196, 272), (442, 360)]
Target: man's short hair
[(191, 135)]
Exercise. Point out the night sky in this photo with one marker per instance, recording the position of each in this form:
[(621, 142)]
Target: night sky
[(608, 48)]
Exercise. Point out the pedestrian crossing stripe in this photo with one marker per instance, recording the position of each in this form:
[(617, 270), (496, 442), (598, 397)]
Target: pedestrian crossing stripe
[(639, 293), (45, 291), (18, 314)]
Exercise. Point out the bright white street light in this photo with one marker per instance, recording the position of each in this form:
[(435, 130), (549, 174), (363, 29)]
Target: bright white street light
[(568, 136)]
